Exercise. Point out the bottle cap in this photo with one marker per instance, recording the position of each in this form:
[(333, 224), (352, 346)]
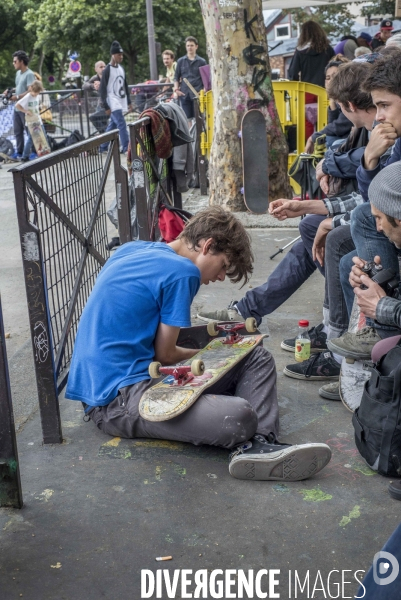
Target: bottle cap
[(303, 323)]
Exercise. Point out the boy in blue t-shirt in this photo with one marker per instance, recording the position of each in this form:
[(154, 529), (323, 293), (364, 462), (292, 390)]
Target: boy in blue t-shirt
[(133, 316)]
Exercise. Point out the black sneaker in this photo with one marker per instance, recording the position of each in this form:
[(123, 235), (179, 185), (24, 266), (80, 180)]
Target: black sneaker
[(265, 459), (395, 490), (318, 340), (319, 366)]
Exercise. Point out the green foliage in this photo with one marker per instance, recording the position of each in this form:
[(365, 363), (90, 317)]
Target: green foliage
[(58, 27), (379, 7), (336, 20), (13, 36)]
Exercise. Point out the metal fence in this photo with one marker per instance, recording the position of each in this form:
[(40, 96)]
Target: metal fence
[(62, 220), (10, 481)]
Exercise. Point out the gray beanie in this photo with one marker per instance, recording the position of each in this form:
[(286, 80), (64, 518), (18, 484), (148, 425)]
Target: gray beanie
[(385, 190)]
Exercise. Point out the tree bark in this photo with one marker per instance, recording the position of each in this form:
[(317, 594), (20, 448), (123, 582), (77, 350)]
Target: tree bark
[(241, 78)]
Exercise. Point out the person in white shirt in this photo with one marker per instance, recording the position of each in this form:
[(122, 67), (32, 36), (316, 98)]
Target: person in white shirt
[(29, 105), (115, 96)]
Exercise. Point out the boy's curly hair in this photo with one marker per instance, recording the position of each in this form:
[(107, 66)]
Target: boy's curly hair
[(229, 236)]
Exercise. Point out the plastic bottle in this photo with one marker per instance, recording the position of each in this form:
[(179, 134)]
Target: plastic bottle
[(302, 342)]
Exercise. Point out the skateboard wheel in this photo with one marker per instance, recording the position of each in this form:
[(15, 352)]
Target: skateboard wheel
[(350, 361), (197, 367), (212, 329), (250, 325), (154, 370)]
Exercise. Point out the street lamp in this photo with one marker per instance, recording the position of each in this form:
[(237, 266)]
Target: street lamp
[(151, 41)]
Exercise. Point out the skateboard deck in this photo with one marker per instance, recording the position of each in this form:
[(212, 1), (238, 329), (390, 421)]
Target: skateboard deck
[(167, 399), (353, 376), (38, 137), (255, 161), (7, 158), (197, 337)]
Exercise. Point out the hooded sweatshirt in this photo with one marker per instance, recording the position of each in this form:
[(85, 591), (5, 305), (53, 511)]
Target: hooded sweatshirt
[(310, 64)]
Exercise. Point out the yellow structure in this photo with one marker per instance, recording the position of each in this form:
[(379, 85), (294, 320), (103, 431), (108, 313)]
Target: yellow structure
[(290, 102)]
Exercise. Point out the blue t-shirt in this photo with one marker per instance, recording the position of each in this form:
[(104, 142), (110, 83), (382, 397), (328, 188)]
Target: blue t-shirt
[(142, 285)]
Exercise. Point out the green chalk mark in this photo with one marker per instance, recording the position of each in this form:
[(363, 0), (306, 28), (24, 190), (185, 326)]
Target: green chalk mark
[(169, 539), (364, 469), (355, 513), (280, 487), (315, 495), (180, 470)]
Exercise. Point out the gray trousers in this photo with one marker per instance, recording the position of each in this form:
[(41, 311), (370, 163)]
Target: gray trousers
[(19, 128), (240, 404)]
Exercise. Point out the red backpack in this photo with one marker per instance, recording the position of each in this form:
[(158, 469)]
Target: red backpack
[(172, 221)]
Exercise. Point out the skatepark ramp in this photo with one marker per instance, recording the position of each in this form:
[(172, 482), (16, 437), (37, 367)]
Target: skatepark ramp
[(61, 210)]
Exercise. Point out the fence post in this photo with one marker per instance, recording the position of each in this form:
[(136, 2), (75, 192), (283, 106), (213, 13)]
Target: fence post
[(122, 196), (35, 283), (201, 158), (10, 481), (88, 123), (80, 112), (141, 187)]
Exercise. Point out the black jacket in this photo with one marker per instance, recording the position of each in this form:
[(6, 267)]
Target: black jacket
[(338, 126), (310, 64), (103, 88)]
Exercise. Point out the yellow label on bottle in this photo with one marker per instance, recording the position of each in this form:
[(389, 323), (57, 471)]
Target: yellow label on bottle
[(302, 349)]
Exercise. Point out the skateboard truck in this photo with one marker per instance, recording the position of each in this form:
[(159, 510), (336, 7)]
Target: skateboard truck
[(181, 373), (231, 329)]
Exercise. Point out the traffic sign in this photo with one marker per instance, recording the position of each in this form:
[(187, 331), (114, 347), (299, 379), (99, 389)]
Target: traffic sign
[(75, 66)]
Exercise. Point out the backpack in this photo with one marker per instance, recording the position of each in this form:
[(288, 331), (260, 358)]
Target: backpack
[(377, 421), (172, 221), (6, 147)]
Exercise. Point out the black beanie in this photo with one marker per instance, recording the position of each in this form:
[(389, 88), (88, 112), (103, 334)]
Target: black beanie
[(116, 48)]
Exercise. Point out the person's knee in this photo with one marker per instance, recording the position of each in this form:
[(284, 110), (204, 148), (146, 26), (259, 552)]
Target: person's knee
[(360, 214), (240, 423)]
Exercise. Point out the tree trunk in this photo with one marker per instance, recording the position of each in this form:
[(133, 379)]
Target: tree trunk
[(241, 76), (41, 59)]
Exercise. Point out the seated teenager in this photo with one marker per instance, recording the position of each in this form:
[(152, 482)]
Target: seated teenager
[(140, 300)]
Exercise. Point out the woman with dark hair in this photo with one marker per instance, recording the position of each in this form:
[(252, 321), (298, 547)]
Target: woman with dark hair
[(311, 56)]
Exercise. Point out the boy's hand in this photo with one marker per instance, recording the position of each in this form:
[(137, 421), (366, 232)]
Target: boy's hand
[(356, 271), (382, 138), (286, 209), (319, 244), (369, 298)]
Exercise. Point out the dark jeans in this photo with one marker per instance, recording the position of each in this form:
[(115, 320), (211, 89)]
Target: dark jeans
[(187, 105), (117, 121), (19, 128), (294, 269), (240, 404), (368, 243), (338, 243)]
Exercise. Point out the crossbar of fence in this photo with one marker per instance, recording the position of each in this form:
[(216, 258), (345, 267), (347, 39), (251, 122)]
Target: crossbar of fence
[(61, 209)]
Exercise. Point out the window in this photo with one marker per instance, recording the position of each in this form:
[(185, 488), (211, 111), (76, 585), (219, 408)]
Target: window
[(282, 32)]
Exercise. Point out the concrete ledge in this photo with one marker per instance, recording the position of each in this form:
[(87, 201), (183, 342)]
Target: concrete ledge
[(193, 202)]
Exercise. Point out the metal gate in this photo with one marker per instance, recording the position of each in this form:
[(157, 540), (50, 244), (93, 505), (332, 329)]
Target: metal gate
[(62, 221)]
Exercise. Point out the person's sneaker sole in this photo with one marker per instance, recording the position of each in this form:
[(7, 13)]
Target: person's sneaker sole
[(292, 349), (330, 395), (292, 464), (348, 353), (208, 320), (311, 378)]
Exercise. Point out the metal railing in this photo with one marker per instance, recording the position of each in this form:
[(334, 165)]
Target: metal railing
[(62, 221), (10, 481)]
